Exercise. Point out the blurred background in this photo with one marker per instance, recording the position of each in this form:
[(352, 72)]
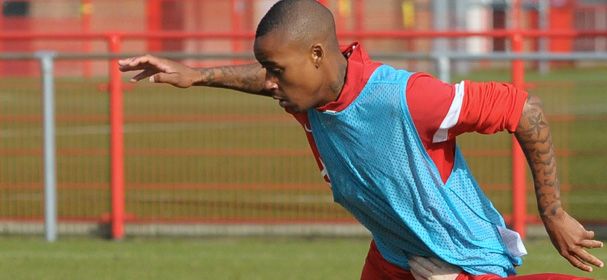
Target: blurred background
[(137, 160), (372, 20)]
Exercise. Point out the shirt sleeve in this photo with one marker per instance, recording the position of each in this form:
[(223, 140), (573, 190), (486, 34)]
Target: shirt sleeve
[(441, 111), (488, 107), (428, 100)]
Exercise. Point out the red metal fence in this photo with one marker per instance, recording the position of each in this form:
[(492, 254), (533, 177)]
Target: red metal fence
[(144, 175), (117, 120)]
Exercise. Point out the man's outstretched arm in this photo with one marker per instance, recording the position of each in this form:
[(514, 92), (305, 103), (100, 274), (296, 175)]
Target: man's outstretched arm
[(567, 234), (248, 78)]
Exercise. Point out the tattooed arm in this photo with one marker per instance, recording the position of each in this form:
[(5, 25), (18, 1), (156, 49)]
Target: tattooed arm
[(248, 78), (568, 235)]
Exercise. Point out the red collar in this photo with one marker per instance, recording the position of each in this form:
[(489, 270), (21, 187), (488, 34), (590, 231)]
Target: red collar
[(360, 68)]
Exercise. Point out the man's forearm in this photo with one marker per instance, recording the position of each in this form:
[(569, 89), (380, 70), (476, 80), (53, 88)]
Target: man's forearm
[(568, 236), (533, 133), (247, 78)]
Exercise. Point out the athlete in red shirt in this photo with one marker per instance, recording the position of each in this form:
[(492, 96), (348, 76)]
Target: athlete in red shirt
[(439, 111), (301, 66)]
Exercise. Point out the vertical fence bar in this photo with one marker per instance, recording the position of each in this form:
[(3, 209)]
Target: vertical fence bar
[(116, 142), (359, 15), (153, 22), (601, 24), (86, 10), (50, 173), (519, 197), (359, 18), (443, 63), (440, 10), (1, 42), (341, 16), (237, 13), (544, 24)]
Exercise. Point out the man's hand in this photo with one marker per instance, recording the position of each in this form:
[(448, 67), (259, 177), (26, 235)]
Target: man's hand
[(248, 78), (571, 239), (160, 70), (432, 269), (568, 235)]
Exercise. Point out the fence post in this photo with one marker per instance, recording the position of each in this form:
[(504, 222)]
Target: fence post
[(86, 11), (50, 160), (444, 67), (440, 45), (359, 18), (519, 197), (237, 12), (153, 21), (116, 142), (544, 24)]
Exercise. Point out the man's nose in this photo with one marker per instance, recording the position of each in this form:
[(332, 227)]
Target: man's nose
[(271, 85)]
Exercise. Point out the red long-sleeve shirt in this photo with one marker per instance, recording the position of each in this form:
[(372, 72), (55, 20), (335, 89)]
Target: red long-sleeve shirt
[(440, 111)]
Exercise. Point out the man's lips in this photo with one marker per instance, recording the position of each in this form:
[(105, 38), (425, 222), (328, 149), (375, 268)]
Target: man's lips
[(282, 102)]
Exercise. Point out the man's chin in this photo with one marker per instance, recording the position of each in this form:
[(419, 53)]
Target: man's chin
[(293, 109)]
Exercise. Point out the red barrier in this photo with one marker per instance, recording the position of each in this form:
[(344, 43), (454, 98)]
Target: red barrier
[(116, 142), (115, 87)]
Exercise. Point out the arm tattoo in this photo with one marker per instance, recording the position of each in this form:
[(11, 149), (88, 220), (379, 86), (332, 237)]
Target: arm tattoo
[(247, 78), (533, 133)]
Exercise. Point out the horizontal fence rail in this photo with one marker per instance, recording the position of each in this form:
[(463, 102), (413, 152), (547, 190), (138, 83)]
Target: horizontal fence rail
[(443, 60), (530, 56), (391, 35)]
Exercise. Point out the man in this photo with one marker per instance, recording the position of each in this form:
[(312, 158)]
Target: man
[(385, 140)]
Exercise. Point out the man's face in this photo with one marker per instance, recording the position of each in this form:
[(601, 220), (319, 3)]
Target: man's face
[(292, 73)]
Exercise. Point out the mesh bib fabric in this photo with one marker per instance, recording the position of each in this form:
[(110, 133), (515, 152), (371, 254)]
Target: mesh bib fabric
[(381, 173)]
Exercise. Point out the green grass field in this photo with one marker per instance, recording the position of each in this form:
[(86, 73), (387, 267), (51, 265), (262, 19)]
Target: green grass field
[(222, 258)]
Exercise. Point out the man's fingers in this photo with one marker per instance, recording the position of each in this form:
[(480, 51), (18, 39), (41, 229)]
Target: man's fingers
[(169, 78), (140, 60), (128, 67), (439, 263), (418, 276), (445, 267), (125, 61), (589, 234), (144, 74), (418, 268), (578, 263), (425, 263), (590, 244), (141, 63), (133, 63), (586, 257), (158, 70)]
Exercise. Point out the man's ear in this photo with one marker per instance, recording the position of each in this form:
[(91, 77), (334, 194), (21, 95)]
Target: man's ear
[(317, 53)]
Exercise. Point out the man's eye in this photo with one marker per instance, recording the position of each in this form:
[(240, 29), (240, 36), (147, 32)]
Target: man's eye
[(275, 71)]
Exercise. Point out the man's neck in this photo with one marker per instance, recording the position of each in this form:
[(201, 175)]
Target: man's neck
[(338, 83)]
